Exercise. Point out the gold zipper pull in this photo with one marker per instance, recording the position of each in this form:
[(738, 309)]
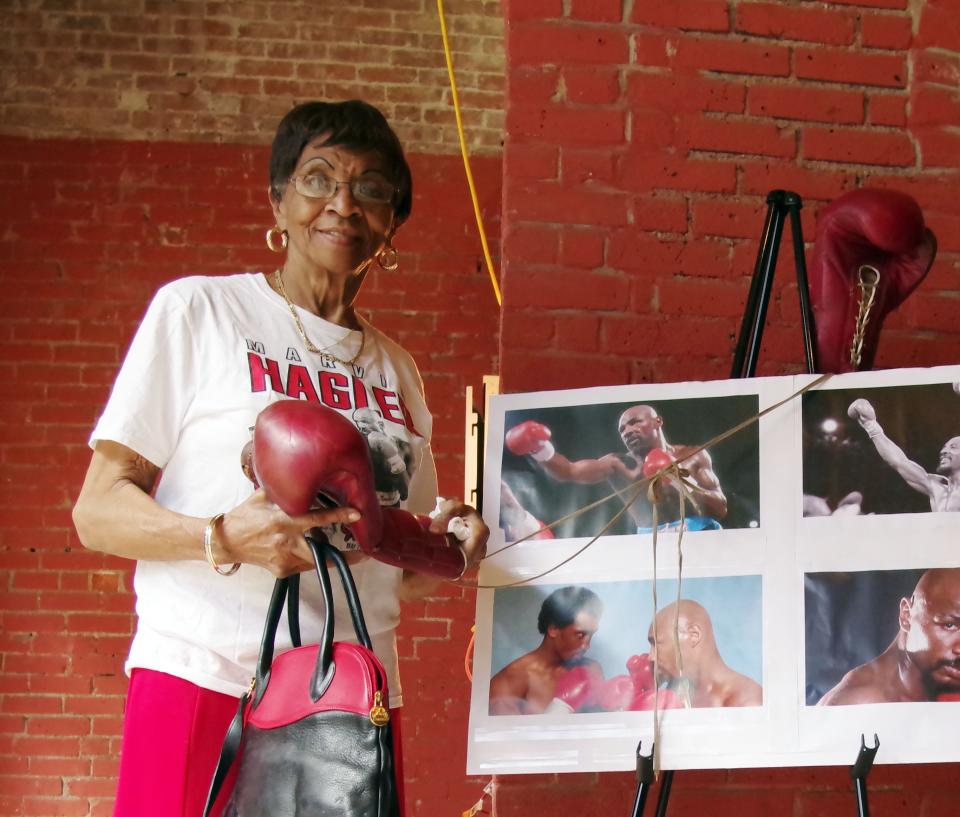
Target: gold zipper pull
[(379, 714)]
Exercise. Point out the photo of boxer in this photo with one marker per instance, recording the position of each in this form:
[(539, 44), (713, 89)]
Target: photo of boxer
[(698, 674), (578, 649), (559, 459), (556, 676), (921, 663), (392, 458), (882, 450), (711, 682)]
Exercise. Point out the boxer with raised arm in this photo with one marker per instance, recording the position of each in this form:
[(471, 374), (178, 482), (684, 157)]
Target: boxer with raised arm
[(712, 682), (941, 488), (641, 430), (556, 676), (923, 661)]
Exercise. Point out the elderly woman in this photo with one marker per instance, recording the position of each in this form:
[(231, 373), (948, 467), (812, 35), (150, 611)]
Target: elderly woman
[(210, 354)]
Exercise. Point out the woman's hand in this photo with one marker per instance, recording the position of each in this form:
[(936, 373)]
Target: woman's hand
[(258, 532), (475, 545)]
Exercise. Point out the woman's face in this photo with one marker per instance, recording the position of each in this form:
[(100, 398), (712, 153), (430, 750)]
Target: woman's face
[(339, 232)]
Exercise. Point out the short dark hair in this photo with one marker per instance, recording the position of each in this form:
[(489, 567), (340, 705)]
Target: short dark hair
[(560, 608), (355, 125)]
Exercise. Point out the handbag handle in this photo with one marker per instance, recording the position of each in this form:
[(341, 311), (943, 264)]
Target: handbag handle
[(323, 672), (293, 609), (322, 550), (287, 590)]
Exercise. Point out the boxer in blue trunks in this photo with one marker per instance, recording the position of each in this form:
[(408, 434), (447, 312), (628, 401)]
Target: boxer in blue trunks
[(641, 430)]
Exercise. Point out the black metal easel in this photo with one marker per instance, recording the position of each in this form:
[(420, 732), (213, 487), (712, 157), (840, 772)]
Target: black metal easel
[(780, 204), (859, 771), (644, 779)]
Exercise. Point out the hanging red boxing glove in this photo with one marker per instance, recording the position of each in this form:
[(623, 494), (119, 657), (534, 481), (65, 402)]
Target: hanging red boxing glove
[(880, 229), (302, 450)]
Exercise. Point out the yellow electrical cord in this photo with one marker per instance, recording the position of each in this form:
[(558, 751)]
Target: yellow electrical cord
[(467, 660), (466, 158)]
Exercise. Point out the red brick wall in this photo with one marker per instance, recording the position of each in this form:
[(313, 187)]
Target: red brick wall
[(642, 139), (218, 71), (92, 228)]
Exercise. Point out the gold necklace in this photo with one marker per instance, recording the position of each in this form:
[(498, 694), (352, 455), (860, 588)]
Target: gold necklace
[(278, 280)]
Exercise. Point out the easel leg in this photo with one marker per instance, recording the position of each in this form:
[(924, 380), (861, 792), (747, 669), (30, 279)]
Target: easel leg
[(859, 771), (755, 311), (644, 779), (663, 797)]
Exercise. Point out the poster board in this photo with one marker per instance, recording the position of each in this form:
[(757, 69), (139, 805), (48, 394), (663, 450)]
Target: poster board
[(820, 540)]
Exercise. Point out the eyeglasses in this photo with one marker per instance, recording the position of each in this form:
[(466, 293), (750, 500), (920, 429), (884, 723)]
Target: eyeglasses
[(366, 189)]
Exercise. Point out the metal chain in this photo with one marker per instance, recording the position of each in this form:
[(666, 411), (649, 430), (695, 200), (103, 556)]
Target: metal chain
[(868, 279)]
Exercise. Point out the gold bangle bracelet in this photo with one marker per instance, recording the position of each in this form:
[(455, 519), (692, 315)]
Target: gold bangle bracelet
[(209, 539)]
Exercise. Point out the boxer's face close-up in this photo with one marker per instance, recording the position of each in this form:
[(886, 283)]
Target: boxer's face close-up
[(664, 650), (367, 421), (638, 428), (933, 635), (949, 461), (573, 641)]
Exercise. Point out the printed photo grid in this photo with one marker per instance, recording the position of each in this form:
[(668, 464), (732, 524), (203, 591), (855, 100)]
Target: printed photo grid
[(818, 599)]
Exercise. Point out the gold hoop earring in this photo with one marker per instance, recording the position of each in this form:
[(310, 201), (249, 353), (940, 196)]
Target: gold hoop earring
[(388, 258), (272, 237)]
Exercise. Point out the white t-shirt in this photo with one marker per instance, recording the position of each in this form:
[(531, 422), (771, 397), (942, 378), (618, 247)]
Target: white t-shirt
[(210, 354)]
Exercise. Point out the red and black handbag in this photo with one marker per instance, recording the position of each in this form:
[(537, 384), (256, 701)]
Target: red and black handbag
[(313, 733)]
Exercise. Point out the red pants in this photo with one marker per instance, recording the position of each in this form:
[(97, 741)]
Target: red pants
[(172, 734)]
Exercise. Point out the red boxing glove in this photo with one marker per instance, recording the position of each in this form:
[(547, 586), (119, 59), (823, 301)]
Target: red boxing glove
[(617, 693), (530, 437), (575, 689), (408, 543), (656, 460), (303, 449), (645, 701), (640, 668), (544, 533), (882, 228)]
